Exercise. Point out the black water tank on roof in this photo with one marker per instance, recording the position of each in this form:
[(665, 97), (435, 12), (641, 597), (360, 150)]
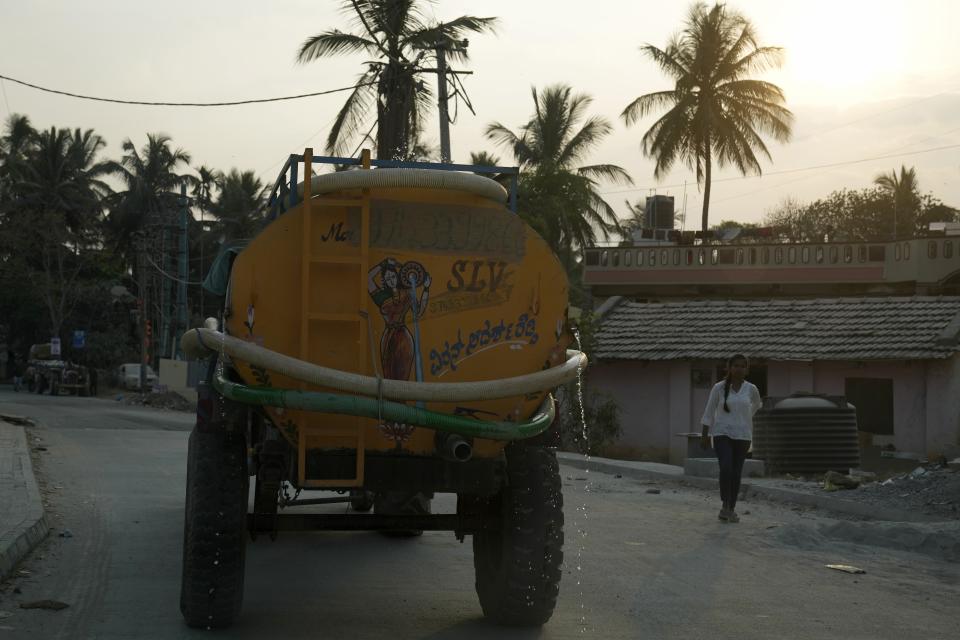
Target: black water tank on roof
[(658, 212), (806, 433)]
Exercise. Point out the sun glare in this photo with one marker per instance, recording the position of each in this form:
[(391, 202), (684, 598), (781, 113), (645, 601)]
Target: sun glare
[(848, 52)]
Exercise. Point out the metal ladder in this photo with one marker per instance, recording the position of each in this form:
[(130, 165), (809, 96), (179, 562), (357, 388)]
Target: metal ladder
[(309, 321)]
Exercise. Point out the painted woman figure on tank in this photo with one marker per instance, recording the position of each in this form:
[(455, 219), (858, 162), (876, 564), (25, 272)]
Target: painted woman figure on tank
[(395, 287)]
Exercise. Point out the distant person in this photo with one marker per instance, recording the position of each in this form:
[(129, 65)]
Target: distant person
[(17, 373), (93, 381), (728, 417)]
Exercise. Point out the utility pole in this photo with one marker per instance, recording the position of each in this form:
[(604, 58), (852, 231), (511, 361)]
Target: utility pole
[(442, 103), (182, 271), (440, 48), (144, 338)]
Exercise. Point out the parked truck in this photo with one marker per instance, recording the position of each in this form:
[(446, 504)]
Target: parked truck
[(46, 372)]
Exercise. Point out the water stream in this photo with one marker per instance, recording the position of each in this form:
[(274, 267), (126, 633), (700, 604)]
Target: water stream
[(581, 516)]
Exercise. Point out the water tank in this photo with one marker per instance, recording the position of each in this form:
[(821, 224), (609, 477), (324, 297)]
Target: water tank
[(658, 212), (806, 434)]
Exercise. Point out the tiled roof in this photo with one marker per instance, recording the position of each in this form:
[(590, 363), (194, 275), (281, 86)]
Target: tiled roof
[(897, 328)]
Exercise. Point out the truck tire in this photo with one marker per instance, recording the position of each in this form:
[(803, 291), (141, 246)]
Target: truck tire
[(518, 566), (214, 530)]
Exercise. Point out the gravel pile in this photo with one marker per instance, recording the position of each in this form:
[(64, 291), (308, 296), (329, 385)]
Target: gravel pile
[(159, 400), (931, 489)]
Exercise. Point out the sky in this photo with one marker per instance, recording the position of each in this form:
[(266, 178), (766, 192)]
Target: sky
[(873, 83)]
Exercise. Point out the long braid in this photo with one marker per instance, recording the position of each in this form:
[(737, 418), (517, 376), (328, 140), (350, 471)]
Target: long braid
[(726, 392), (727, 381)]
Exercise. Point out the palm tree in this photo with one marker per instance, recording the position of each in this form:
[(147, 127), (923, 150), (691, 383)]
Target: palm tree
[(239, 209), (715, 111), (206, 181), (393, 33), (905, 192), (151, 178), (56, 171), (558, 195)]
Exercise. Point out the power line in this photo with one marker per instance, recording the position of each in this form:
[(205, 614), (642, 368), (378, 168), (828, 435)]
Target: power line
[(796, 170), (167, 275), (183, 104)]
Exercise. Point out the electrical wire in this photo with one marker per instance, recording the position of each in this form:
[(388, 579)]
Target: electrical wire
[(796, 170), (167, 275), (182, 104)]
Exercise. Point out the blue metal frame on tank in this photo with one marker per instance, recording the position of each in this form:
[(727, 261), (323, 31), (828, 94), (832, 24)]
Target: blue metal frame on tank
[(283, 196)]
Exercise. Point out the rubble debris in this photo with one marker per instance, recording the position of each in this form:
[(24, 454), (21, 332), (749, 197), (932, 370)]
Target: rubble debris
[(863, 476), (50, 605), (846, 568), (833, 481), (158, 400)]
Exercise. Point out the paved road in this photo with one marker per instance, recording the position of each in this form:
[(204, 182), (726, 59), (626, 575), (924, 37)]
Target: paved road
[(646, 565)]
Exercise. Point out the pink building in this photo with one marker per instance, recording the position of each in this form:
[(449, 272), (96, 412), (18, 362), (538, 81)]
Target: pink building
[(895, 358)]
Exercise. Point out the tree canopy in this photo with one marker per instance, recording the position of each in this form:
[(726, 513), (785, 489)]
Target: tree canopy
[(715, 110)]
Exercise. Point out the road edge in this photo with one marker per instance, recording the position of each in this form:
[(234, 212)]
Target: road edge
[(750, 488), (18, 486)]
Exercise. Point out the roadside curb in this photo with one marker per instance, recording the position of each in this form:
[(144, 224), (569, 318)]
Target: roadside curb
[(750, 488), (23, 521)]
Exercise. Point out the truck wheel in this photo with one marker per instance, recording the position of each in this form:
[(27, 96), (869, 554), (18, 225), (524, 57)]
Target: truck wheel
[(402, 503), (518, 567), (214, 530)]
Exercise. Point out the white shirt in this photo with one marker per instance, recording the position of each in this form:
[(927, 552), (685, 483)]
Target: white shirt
[(738, 422)]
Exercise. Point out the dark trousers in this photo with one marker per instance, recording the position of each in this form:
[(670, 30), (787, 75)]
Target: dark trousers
[(730, 454)]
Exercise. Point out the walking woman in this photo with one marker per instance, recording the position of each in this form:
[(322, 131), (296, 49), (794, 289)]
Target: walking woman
[(729, 419)]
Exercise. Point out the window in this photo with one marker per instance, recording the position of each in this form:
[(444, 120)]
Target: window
[(616, 258), (652, 258), (819, 255), (702, 257), (805, 255), (714, 256), (932, 249), (593, 258), (792, 255), (739, 256), (689, 256), (765, 255), (663, 256), (639, 257), (848, 254), (897, 251), (862, 253), (753, 255), (627, 258), (947, 249), (877, 253), (778, 255), (906, 250), (834, 255), (604, 258), (725, 256), (676, 257), (873, 398)]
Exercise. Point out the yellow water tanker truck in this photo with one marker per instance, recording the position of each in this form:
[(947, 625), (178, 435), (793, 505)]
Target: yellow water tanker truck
[(394, 331)]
